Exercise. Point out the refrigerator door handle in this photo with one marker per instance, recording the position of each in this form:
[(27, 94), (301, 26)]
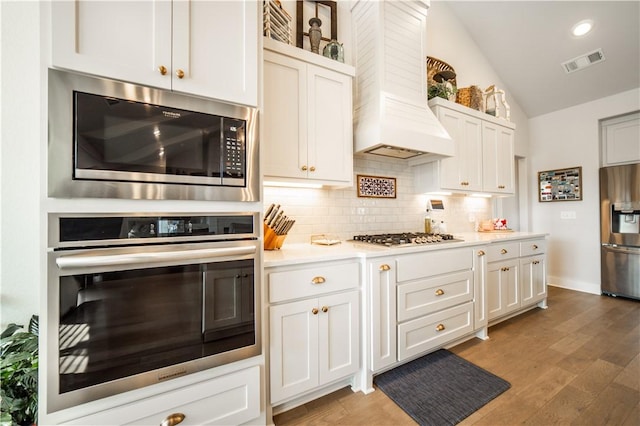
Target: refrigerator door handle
[(627, 250)]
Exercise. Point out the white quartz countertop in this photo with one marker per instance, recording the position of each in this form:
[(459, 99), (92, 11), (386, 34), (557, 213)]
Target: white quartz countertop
[(291, 254)]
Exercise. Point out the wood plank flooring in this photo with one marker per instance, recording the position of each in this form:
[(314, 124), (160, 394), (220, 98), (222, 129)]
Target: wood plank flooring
[(575, 363)]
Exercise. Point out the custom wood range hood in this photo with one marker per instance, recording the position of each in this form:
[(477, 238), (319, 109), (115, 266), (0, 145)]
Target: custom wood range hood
[(391, 113)]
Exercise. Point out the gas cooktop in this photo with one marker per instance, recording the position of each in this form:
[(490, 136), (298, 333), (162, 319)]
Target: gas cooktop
[(405, 239)]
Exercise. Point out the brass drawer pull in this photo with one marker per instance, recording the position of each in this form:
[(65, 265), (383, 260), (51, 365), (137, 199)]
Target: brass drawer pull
[(325, 308), (312, 168), (385, 267), (535, 262), (535, 247), (303, 168), (505, 269), (180, 74), (481, 253), (314, 311), (173, 419), (318, 280), (162, 69), (439, 292), (439, 327), (503, 251)]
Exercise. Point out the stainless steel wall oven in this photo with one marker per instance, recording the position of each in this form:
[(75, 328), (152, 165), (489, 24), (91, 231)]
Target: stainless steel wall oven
[(109, 139), (137, 299)]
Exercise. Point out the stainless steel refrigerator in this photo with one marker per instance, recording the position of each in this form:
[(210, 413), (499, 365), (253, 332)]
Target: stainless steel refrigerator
[(620, 230)]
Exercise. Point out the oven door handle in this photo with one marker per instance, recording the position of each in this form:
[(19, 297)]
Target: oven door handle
[(144, 259)]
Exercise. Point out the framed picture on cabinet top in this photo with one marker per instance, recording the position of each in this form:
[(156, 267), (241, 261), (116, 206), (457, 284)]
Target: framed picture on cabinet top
[(325, 10), (560, 185)]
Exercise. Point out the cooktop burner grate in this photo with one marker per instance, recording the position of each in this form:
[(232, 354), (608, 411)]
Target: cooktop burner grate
[(405, 238)]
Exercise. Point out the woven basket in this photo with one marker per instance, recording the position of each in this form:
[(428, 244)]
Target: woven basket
[(434, 66), (470, 97)]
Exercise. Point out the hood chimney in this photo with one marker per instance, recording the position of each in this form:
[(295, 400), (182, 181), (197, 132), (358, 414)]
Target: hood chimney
[(391, 116)]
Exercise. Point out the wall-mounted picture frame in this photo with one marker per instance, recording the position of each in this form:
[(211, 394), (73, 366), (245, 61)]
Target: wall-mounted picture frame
[(376, 186), (560, 185), (326, 10)]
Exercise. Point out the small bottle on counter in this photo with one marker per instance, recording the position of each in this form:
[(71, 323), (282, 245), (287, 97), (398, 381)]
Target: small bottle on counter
[(427, 223)]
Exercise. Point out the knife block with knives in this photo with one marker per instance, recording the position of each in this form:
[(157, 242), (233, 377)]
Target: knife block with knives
[(276, 227)]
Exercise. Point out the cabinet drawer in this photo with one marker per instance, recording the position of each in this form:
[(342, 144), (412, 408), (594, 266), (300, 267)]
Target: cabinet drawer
[(426, 333), (420, 265), (312, 281), (500, 251), (531, 248), (230, 399), (423, 297)]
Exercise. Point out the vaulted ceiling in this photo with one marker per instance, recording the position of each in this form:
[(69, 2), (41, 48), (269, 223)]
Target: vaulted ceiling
[(527, 41)]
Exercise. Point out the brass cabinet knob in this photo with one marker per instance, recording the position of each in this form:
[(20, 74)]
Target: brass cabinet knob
[(180, 73), (162, 69), (385, 267), (503, 251), (318, 280), (505, 269), (303, 168), (325, 308), (501, 187), (312, 169), (439, 327), (481, 253), (173, 419), (535, 247), (314, 311), (439, 292), (535, 262)]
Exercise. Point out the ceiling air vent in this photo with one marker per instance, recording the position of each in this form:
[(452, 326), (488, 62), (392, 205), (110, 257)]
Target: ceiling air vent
[(583, 61)]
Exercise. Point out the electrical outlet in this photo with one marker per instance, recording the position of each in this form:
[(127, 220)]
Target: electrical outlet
[(571, 214)]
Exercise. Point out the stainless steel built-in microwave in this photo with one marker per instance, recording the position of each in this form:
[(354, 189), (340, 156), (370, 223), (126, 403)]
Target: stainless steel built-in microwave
[(109, 139)]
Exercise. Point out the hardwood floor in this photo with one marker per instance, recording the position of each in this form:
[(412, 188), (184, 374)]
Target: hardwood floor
[(575, 363)]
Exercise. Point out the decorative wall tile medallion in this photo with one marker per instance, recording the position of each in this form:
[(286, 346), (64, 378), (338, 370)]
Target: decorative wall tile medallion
[(376, 186)]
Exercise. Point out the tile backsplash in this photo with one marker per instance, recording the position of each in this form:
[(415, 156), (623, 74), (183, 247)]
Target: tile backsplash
[(341, 213)]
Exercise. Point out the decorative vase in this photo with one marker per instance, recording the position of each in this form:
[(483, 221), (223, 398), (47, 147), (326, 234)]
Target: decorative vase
[(334, 50), (315, 34)]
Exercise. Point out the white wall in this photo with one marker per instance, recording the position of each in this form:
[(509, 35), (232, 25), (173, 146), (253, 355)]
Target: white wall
[(21, 235), (569, 138)]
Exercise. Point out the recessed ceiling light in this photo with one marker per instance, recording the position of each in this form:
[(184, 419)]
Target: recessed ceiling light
[(582, 28)]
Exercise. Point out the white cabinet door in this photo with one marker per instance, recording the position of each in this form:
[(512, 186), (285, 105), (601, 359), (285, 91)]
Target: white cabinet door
[(126, 41), (382, 313), (215, 44), (205, 48), (308, 123), (534, 287), (330, 131), (338, 336), (503, 288), (620, 139), (294, 348), (463, 171), (498, 162), (481, 318), (284, 151)]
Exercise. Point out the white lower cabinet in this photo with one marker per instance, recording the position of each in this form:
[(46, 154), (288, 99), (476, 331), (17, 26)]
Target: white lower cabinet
[(315, 340), (381, 314), (533, 270), (503, 287), (516, 276), (229, 399)]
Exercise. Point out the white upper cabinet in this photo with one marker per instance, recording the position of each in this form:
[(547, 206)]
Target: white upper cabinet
[(307, 132), (620, 140), (204, 48), (484, 157), (498, 166)]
